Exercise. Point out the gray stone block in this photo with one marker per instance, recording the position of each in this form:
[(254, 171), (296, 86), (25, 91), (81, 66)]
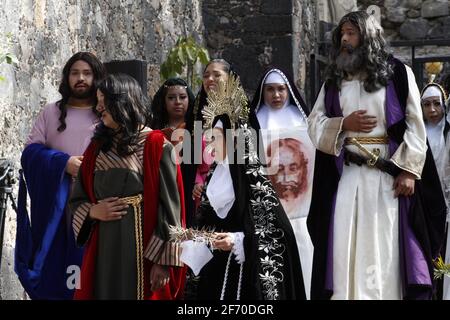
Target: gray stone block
[(270, 7), (413, 29), (414, 4), (444, 20), (282, 52), (268, 24), (396, 15), (241, 10), (413, 14), (434, 8), (439, 32), (392, 3)]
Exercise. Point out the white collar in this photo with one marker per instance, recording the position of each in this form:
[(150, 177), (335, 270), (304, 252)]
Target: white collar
[(220, 190), (285, 117)]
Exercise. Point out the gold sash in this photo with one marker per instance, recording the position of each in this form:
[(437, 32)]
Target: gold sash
[(367, 140), (135, 202)]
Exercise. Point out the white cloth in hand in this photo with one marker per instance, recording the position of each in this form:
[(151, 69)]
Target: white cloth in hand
[(195, 254)]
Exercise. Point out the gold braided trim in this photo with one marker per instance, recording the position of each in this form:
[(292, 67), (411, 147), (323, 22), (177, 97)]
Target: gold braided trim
[(135, 202), (367, 140)]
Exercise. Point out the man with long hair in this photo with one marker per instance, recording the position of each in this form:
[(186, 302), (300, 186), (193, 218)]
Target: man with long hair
[(377, 213), (47, 259)]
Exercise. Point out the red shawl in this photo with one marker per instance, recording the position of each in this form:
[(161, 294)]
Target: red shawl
[(152, 156)]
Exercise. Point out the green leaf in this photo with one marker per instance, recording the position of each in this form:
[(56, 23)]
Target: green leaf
[(191, 42), (178, 68), (181, 55), (173, 56), (203, 55), (198, 81), (2, 78), (191, 53), (12, 58)]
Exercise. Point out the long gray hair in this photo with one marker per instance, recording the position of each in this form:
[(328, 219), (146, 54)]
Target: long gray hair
[(373, 50)]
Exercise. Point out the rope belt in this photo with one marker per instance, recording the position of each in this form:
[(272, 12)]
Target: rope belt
[(225, 279), (367, 140), (135, 202)]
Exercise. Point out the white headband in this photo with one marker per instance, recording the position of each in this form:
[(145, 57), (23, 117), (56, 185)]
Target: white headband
[(432, 91), (274, 77), (219, 124)]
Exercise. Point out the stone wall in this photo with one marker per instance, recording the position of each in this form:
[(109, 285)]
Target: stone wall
[(304, 38), (414, 20), (251, 34), (255, 34), (402, 21), (46, 33)]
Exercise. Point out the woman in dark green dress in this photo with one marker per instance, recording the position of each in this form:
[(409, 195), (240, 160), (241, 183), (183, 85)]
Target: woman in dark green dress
[(127, 194)]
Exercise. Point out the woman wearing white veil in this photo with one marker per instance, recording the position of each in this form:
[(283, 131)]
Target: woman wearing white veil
[(279, 113)]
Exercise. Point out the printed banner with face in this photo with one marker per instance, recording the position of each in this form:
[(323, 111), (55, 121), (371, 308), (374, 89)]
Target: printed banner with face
[(290, 157)]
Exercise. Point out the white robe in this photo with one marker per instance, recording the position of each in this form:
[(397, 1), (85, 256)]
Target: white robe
[(366, 262)]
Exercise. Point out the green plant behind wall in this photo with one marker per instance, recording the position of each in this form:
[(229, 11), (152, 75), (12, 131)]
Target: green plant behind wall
[(181, 61), (7, 57)]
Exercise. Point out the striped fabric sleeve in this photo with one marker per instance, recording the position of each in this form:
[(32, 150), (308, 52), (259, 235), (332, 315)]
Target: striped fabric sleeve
[(163, 252), (79, 217), (79, 206), (170, 255), (153, 250), (160, 249)]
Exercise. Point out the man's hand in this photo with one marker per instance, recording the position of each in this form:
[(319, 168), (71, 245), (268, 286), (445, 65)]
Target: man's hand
[(73, 165), (197, 191), (404, 184), (108, 209), (159, 276), (359, 121), (223, 241)]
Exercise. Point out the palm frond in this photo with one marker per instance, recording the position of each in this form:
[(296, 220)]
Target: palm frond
[(230, 99), (441, 268)]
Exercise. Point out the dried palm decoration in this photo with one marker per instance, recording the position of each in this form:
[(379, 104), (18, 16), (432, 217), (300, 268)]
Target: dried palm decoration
[(229, 99), (433, 69), (441, 268), (180, 234)]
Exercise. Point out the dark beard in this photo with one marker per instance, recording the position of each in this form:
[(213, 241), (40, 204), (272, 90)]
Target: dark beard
[(89, 93), (351, 61)]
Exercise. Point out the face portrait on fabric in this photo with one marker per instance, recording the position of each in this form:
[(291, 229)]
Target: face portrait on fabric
[(289, 165), (290, 179)]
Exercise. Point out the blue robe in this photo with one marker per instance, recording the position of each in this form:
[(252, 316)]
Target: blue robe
[(46, 257)]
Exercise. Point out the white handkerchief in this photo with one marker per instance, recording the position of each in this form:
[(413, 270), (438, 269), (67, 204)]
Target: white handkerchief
[(195, 254)]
